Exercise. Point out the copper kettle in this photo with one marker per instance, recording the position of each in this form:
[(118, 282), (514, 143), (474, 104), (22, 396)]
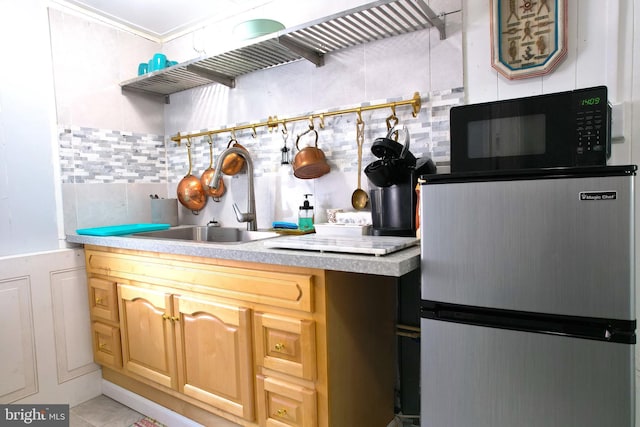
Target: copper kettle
[(310, 162)]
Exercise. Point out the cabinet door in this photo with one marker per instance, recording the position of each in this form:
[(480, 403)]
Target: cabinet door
[(146, 324), (214, 354)]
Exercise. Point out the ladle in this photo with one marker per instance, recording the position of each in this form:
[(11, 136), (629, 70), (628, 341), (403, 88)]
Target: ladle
[(359, 198)]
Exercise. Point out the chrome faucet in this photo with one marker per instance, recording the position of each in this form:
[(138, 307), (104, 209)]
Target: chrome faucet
[(250, 216)]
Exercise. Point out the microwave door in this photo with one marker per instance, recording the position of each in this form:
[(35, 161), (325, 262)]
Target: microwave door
[(507, 137), (562, 129)]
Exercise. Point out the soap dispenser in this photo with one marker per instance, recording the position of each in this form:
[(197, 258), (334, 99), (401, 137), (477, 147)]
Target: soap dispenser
[(305, 215)]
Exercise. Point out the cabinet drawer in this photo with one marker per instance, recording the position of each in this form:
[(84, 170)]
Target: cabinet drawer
[(280, 289), (282, 404), (286, 344), (103, 301), (106, 344)]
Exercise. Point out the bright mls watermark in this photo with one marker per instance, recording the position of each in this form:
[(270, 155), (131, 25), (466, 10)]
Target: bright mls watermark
[(34, 415)]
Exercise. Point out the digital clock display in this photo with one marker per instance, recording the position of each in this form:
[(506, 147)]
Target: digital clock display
[(589, 102)]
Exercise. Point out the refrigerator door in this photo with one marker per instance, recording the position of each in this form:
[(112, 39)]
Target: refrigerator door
[(534, 245), (485, 377)]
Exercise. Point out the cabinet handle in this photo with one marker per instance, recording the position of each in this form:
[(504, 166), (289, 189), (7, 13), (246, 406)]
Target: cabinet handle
[(165, 316), (281, 412), (102, 346), (279, 346), (175, 319), (98, 301)]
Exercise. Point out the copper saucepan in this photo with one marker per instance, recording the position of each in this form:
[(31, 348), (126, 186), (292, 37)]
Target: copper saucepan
[(310, 162), (207, 175), (233, 163), (190, 192)]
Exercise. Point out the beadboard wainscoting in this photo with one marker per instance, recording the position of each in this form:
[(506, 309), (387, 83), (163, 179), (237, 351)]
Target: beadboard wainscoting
[(45, 346)]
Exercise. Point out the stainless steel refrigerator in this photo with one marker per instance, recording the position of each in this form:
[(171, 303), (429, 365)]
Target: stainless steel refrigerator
[(528, 311)]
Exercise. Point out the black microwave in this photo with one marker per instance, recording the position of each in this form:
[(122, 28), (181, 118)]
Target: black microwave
[(562, 129)]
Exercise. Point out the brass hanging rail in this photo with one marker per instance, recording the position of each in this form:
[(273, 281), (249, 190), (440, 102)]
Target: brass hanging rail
[(272, 123)]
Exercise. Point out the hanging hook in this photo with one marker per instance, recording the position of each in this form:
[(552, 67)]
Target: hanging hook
[(254, 134), (311, 126), (189, 154), (321, 116), (392, 118), (359, 112), (233, 134), (210, 151)]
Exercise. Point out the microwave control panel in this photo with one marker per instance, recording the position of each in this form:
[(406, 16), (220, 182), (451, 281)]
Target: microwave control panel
[(592, 124)]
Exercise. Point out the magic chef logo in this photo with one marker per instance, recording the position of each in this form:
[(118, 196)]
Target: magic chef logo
[(598, 195)]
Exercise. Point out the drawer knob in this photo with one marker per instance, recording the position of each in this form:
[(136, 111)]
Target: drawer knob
[(102, 346), (279, 346), (98, 301), (281, 412)]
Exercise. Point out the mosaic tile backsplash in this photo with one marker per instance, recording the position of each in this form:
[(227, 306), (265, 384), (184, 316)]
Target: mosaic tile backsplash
[(97, 156), (93, 156)]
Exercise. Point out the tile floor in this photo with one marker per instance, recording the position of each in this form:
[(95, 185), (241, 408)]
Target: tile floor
[(102, 412)]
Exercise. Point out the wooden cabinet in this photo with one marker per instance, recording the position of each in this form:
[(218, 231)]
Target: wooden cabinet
[(286, 344), (192, 344), (282, 404), (105, 328), (148, 345), (214, 356), (260, 345)]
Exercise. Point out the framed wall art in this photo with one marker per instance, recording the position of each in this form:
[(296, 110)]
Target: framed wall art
[(528, 38)]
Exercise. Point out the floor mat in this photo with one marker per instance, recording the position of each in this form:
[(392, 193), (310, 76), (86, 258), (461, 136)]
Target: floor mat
[(147, 422)]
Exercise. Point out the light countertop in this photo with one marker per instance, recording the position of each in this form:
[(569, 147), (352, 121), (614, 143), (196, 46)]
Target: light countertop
[(395, 264)]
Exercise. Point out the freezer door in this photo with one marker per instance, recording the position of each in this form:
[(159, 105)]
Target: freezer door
[(473, 376), (540, 245)]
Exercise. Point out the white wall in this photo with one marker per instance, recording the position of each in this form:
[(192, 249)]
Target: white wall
[(29, 188), (90, 60)]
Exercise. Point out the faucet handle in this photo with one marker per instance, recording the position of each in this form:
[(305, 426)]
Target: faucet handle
[(243, 216)]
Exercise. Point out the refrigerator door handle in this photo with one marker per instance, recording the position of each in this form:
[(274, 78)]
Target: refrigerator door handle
[(609, 330)]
